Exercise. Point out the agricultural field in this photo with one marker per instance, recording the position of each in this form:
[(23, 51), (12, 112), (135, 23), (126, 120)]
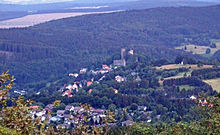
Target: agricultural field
[(196, 49), (176, 66), (31, 20), (215, 83), (186, 87), (180, 75)]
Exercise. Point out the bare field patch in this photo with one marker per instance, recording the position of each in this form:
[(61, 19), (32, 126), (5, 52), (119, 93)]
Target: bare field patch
[(176, 66), (215, 83), (31, 20)]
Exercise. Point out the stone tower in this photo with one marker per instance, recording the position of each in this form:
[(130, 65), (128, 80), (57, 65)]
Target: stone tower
[(123, 52)]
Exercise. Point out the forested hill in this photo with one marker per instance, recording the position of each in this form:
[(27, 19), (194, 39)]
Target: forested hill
[(50, 50)]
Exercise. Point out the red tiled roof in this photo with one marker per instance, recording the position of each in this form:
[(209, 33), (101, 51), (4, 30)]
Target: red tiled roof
[(34, 107), (89, 83)]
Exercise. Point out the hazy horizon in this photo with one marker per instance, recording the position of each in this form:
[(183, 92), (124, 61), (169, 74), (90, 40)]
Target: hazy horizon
[(79, 1)]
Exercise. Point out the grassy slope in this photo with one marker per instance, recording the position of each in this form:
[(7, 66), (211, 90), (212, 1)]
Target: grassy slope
[(199, 49), (215, 83)]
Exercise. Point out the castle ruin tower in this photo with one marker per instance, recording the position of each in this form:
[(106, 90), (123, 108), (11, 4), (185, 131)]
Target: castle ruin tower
[(123, 52)]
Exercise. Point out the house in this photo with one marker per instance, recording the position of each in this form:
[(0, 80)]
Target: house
[(75, 87), (41, 113), (83, 71), (204, 102), (134, 73), (67, 93), (148, 121), (69, 87), (119, 79), (20, 92), (69, 108), (74, 75), (127, 123), (44, 117), (60, 113), (78, 109), (115, 91), (34, 107), (89, 83), (49, 107), (103, 71), (97, 111), (138, 79), (90, 91), (131, 52), (142, 108), (210, 105), (193, 97), (55, 118), (63, 126), (94, 72), (105, 67)]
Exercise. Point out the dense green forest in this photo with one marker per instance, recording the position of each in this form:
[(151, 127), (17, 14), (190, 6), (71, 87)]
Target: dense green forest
[(48, 51)]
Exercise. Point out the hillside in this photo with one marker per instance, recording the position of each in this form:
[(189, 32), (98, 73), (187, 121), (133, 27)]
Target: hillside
[(48, 51)]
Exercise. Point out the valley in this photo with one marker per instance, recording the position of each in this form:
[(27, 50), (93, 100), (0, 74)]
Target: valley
[(94, 69)]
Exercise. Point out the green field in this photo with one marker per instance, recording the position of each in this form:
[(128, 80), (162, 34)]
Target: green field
[(196, 49), (186, 87), (180, 75), (176, 66)]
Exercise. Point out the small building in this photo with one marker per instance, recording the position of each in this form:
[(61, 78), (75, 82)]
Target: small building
[(89, 84), (103, 71), (34, 107), (55, 118), (69, 108), (105, 67), (115, 91), (60, 113), (83, 71), (74, 75), (193, 97), (49, 107), (121, 62), (75, 86), (138, 79), (131, 52), (90, 91), (119, 79)]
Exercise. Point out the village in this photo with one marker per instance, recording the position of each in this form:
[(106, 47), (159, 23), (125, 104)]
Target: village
[(72, 115)]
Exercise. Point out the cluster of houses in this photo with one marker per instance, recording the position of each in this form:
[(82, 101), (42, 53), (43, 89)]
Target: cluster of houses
[(70, 117), (68, 90)]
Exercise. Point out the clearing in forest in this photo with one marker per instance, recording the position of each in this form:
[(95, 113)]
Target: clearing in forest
[(215, 83)]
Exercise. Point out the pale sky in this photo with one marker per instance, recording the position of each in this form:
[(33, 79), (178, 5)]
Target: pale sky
[(51, 1), (31, 1)]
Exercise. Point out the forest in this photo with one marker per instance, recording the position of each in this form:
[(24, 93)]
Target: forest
[(47, 51)]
